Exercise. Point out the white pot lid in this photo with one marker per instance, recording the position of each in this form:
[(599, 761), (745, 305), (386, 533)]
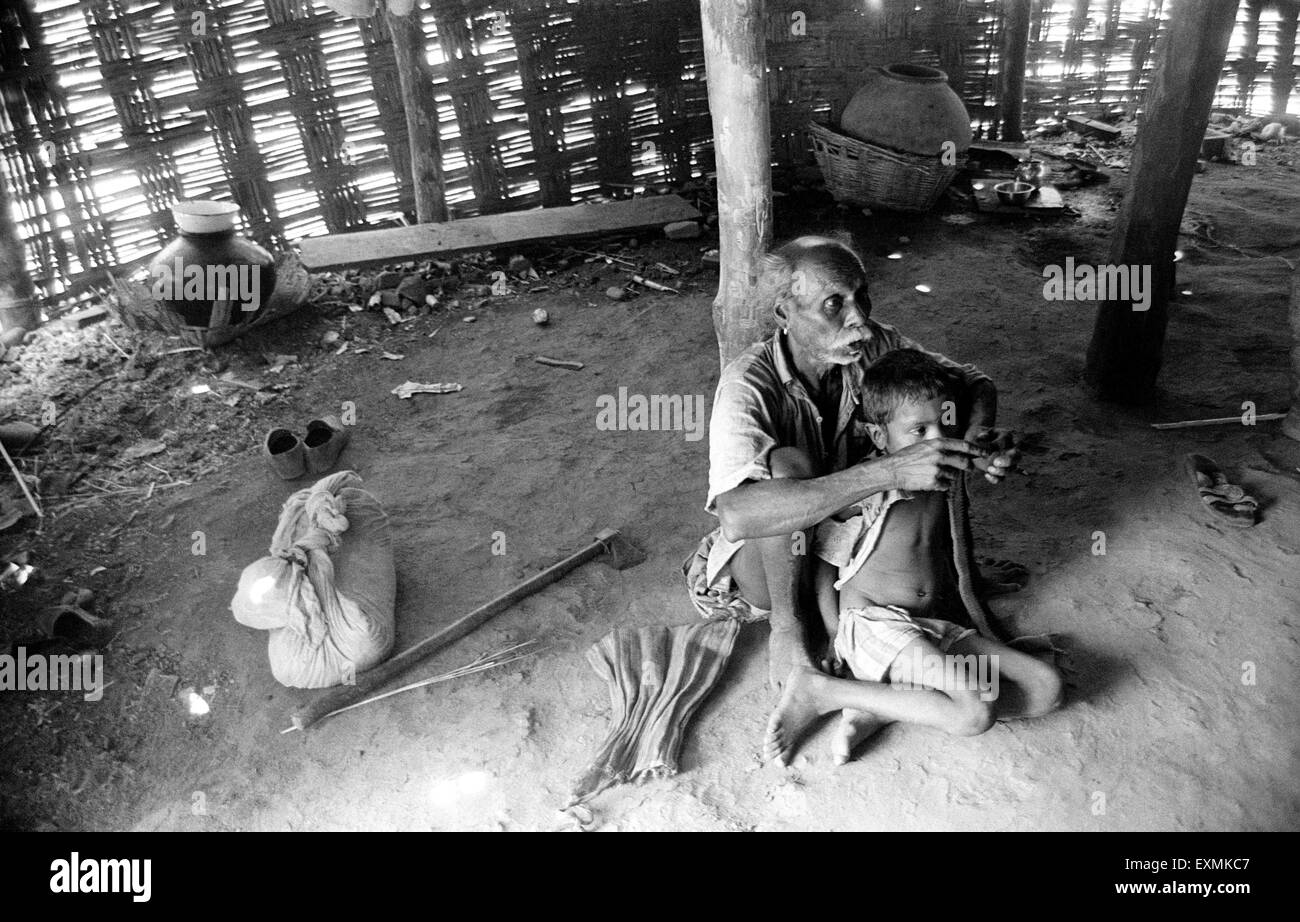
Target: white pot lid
[(203, 216)]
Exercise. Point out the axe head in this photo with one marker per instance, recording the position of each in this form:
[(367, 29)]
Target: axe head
[(620, 553)]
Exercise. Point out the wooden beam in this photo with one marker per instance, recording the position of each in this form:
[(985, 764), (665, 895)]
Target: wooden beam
[(540, 76), (1127, 345), (421, 115), (381, 68), (403, 244), (1248, 64), (1015, 54), (1284, 69), (468, 88), (17, 305), (735, 59)]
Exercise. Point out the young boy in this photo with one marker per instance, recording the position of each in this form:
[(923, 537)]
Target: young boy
[(897, 594)]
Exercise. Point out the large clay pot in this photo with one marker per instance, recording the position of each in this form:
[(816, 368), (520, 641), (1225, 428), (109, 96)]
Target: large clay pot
[(910, 108), (208, 242)]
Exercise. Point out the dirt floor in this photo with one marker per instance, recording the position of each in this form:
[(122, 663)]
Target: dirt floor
[(1159, 732)]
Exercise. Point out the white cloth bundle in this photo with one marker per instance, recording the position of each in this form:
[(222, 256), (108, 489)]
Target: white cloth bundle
[(328, 589)]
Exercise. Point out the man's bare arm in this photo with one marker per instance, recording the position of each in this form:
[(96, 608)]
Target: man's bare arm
[(760, 509)]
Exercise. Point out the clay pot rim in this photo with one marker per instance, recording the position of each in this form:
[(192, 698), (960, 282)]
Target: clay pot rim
[(205, 216), (914, 73)]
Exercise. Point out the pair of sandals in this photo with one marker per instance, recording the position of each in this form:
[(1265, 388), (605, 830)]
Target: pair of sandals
[(69, 627), (316, 453), (1226, 500)]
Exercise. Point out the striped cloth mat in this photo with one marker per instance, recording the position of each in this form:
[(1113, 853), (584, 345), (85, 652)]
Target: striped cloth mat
[(658, 677)]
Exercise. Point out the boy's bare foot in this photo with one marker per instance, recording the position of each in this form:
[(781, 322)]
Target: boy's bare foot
[(999, 577), (851, 731), (785, 651), (797, 711)]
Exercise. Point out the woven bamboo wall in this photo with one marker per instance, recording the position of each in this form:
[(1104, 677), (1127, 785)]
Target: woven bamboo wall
[(113, 109)]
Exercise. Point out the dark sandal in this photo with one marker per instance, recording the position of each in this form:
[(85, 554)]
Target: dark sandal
[(1224, 499)]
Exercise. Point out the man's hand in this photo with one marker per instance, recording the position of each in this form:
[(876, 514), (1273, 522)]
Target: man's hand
[(1000, 454), (930, 465)]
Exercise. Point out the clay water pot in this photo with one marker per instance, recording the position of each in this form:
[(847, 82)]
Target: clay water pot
[(910, 108), (208, 249)]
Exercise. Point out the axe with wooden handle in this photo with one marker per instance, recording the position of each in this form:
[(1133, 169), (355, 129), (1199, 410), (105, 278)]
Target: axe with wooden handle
[(620, 554)]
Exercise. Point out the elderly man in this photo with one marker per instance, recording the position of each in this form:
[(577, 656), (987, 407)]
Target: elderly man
[(783, 436)]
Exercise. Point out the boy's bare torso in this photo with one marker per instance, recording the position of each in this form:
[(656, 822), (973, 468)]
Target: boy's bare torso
[(910, 564)]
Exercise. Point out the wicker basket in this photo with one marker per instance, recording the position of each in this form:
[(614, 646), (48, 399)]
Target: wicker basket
[(134, 305), (865, 174)]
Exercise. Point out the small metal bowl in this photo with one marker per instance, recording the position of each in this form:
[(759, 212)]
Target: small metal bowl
[(1014, 193)]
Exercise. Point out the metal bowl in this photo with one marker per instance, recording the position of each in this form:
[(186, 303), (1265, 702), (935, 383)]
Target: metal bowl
[(1014, 193)]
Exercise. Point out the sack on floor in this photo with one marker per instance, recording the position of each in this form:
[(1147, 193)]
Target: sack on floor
[(327, 591)]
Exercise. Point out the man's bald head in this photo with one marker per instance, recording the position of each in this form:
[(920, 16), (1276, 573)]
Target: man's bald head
[(830, 255), (782, 283), (816, 288)]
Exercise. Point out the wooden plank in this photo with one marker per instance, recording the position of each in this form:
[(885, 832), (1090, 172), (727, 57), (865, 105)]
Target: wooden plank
[(401, 244), (1093, 127)]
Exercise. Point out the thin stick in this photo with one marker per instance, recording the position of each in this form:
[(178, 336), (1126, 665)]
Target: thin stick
[(558, 363), (21, 483), (607, 257), (1217, 421), (112, 343), (474, 667), (159, 470), (653, 286), (484, 662)]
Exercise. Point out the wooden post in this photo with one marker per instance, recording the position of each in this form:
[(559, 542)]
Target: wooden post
[(735, 59), (1126, 350), (1248, 65), (17, 306), (1284, 69), (468, 86), (1015, 53), (421, 115), (1291, 424), (540, 74)]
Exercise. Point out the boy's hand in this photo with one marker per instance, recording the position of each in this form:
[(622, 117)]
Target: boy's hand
[(830, 663), (1000, 455)]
